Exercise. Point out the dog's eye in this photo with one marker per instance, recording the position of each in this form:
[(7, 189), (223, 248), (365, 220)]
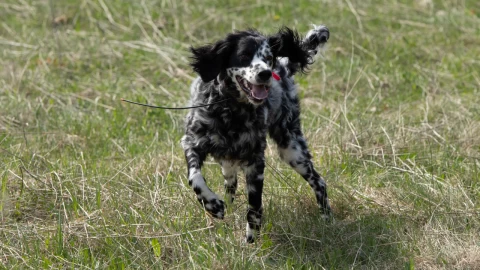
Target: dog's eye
[(269, 58), (244, 57)]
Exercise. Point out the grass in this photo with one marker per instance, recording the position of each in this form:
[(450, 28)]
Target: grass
[(391, 114)]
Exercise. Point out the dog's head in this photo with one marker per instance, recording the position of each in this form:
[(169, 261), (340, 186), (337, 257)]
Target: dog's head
[(245, 60)]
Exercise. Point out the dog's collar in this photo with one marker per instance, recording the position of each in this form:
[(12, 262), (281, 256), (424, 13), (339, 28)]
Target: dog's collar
[(275, 76)]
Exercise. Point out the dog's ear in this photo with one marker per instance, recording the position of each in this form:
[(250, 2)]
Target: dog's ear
[(287, 43), (211, 60)]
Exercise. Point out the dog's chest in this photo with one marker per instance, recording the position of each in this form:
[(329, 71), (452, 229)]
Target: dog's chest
[(237, 133)]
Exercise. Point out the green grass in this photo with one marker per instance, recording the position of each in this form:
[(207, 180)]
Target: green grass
[(391, 114)]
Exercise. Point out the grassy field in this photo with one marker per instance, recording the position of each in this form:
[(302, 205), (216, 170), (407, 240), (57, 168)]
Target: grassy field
[(391, 114)]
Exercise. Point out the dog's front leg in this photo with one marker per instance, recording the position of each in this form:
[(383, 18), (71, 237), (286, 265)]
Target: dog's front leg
[(254, 176), (205, 196)]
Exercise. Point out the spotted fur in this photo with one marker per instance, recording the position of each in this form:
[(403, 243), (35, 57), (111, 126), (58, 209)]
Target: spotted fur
[(239, 68)]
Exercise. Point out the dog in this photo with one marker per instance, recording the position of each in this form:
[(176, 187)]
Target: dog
[(246, 84)]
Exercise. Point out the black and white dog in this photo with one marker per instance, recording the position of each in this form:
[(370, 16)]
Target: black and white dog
[(253, 74)]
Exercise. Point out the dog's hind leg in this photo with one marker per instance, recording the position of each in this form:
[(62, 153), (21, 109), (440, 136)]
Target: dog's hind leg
[(293, 149), (205, 196), (229, 171), (296, 154)]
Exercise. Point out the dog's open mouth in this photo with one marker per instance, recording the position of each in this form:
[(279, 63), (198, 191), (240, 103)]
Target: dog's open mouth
[(255, 92)]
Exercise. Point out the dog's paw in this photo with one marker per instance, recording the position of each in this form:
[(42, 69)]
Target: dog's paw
[(251, 235), (215, 207), (326, 212), (250, 239), (327, 217)]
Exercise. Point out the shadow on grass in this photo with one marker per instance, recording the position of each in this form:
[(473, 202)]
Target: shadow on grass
[(298, 237)]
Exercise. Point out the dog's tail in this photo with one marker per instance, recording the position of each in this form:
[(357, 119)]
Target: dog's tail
[(316, 39)]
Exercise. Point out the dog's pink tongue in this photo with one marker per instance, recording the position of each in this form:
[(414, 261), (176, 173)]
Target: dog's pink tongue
[(259, 91)]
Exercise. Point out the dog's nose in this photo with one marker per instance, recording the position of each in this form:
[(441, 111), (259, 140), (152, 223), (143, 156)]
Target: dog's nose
[(264, 75), (324, 34)]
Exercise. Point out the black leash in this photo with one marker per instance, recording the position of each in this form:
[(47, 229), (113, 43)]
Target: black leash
[(173, 108)]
